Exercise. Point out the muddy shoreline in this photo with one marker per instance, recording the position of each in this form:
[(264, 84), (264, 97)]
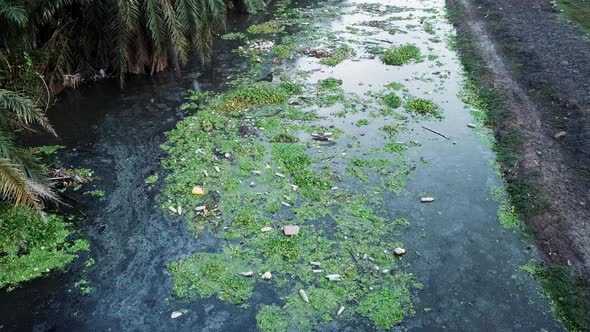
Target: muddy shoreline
[(544, 83)]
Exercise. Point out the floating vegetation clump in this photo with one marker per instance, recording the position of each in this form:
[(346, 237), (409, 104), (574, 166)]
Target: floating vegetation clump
[(340, 54), (400, 55), (330, 83), (423, 107), (269, 27), (232, 169), (392, 100), (33, 245)]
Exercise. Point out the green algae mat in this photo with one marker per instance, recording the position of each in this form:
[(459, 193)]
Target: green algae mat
[(296, 178)]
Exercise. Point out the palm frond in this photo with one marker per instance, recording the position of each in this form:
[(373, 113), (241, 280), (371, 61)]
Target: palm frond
[(22, 109), (14, 14), (14, 185)]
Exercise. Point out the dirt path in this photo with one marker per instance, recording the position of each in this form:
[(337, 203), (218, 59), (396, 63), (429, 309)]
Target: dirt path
[(541, 65)]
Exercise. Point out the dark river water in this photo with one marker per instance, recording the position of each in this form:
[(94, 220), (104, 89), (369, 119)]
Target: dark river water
[(467, 264)]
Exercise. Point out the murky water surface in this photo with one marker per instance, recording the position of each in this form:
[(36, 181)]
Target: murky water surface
[(467, 263)]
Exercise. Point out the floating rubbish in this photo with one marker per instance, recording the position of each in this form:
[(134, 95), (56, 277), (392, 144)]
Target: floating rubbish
[(266, 275), (399, 251), (294, 187), (266, 229), (176, 314), (252, 184), (286, 204), (471, 125), (281, 175), (179, 209), (317, 271), (247, 274), (198, 191), (560, 134), (217, 169), (291, 230), (303, 296), (385, 271), (228, 156), (205, 172), (340, 311), (315, 264), (256, 172), (333, 277), (173, 209), (427, 199), (201, 208), (200, 228)]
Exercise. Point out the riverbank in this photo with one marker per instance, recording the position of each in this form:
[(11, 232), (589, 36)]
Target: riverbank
[(536, 106)]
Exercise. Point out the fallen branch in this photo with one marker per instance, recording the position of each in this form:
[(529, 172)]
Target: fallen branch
[(436, 132)]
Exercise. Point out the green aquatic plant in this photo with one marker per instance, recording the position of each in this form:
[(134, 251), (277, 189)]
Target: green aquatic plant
[(362, 122), (268, 27), (32, 245), (387, 306), (340, 54), (209, 274), (330, 83), (282, 51), (392, 100), (234, 36), (400, 55), (423, 107)]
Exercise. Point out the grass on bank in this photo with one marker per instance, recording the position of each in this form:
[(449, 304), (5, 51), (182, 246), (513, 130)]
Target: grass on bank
[(578, 11)]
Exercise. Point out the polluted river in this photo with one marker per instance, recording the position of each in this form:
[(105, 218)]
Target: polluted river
[(327, 169)]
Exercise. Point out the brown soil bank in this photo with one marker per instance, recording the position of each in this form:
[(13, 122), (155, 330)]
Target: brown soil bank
[(538, 66)]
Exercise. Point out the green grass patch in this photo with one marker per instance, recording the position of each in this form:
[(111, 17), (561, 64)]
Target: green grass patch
[(578, 11), (569, 295)]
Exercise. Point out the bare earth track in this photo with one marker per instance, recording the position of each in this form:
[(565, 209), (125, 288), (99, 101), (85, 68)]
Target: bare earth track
[(540, 64)]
